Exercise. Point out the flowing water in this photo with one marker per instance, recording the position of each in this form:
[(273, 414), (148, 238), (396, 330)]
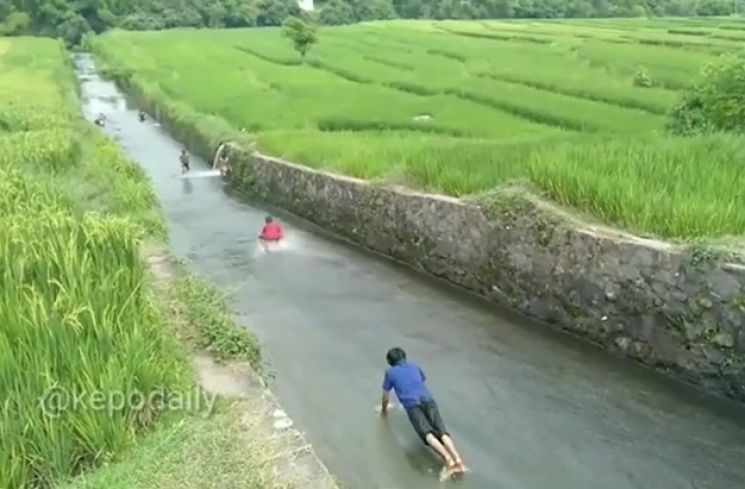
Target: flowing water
[(529, 408)]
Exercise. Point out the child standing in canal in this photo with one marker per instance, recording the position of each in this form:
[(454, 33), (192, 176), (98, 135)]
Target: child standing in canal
[(184, 161), (407, 379)]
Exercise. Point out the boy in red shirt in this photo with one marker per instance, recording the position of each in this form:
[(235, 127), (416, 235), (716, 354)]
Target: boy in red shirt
[(271, 231)]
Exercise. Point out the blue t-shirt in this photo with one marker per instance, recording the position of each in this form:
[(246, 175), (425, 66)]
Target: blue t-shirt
[(407, 379)]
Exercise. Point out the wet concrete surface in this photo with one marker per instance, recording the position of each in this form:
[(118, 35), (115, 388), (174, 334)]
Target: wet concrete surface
[(529, 408)]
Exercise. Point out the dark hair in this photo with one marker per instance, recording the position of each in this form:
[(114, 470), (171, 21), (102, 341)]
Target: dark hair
[(268, 219), (395, 356)]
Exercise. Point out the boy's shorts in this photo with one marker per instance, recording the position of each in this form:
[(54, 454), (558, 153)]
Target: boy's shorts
[(425, 418)]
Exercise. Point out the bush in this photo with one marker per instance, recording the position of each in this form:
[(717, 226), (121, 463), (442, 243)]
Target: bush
[(15, 24), (186, 17), (142, 22), (274, 12), (717, 103), (337, 12), (642, 78), (73, 29)]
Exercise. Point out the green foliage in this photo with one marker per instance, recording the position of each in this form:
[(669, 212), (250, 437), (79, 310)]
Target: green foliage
[(336, 12), (642, 78), (48, 16), (142, 22), (302, 35), (212, 328), (15, 24), (73, 29), (78, 317), (274, 12), (716, 103)]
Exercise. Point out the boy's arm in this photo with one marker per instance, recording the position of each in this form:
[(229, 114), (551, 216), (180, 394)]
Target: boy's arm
[(387, 386), (384, 403)]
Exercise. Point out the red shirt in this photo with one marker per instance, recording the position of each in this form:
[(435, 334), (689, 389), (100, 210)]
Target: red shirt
[(272, 232)]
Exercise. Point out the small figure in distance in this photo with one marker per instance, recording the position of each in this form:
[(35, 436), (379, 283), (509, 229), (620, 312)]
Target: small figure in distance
[(407, 379), (184, 161), (142, 116), (223, 161), (100, 120)]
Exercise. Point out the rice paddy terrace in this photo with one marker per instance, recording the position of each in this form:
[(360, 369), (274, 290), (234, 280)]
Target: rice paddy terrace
[(575, 109)]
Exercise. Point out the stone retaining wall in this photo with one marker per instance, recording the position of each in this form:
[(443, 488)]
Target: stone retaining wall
[(678, 310)]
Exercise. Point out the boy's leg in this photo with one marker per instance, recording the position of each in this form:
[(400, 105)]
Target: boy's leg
[(432, 412), (448, 443), (424, 430), (441, 450)]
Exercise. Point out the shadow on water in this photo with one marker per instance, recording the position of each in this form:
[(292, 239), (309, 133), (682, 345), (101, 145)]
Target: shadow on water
[(529, 408), (187, 186)]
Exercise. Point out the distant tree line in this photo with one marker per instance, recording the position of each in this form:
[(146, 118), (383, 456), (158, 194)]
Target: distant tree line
[(71, 19)]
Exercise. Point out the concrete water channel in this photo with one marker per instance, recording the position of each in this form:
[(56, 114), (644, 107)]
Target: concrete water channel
[(529, 408)]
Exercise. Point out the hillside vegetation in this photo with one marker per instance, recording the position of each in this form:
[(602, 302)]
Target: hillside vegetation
[(71, 20), (575, 109)]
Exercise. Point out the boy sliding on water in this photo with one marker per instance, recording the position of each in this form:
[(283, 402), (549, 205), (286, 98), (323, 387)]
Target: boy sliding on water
[(407, 379), (271, 231)]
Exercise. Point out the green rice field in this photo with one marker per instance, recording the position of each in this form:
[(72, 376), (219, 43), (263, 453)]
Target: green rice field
[(76, 313), (463, 107)]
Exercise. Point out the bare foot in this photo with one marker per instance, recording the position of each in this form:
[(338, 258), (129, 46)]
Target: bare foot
[(446, 472)]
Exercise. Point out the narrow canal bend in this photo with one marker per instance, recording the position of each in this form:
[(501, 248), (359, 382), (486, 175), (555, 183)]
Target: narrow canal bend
[(530, 409)]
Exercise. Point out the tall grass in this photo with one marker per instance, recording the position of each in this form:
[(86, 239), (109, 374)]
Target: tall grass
[(76, 311), (674, 188), (77, 319)]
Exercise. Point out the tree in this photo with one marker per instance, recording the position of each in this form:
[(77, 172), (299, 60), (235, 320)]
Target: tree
[(382, 9), (15, 23), (5, 9), (337, 12), (274, 12), (302, 35), (73, 29)]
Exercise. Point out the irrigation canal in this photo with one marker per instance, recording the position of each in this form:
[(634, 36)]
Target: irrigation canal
[(529, 408)]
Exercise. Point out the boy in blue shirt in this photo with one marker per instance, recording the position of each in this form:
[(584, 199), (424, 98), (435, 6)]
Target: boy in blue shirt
[(407, 379)]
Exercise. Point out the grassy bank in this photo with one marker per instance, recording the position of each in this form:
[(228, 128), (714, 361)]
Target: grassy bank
[(84, 331), (193, 453), (551, 104)]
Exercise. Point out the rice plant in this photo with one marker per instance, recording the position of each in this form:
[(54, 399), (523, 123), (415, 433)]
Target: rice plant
[(77, 313)]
